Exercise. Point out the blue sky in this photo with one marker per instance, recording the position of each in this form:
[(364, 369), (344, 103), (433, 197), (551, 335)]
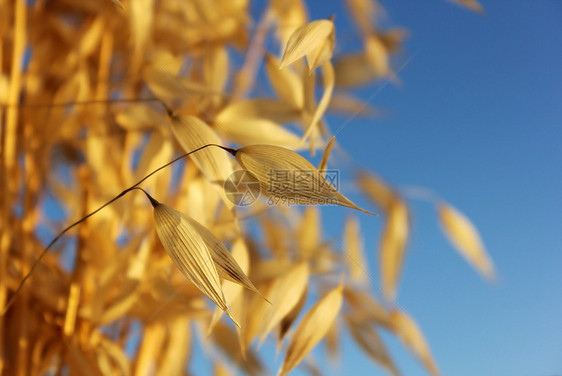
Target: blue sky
[(477, 121)]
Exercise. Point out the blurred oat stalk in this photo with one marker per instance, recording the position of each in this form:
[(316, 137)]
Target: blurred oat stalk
[(108, 299)]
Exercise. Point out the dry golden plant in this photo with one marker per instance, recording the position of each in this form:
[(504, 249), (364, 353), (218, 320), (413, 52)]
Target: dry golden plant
[(144, 97)]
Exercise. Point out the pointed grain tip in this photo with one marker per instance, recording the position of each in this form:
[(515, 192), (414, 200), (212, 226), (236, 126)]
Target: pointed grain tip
[(231, 315), (369, 212), (263, 296)]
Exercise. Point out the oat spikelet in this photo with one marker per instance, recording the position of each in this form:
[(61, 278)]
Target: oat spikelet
[(286, 83), (407, 330), (225, 263), (353, 247), (393, 246), (306, 40), (287, 292), (313, 327), (258, 121), (189, 252), (465, 238), (368, 339), (286, 175), (322, 53), (377, 190), (192, 133)]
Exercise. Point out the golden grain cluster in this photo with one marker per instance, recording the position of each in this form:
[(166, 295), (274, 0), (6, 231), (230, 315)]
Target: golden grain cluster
[(98, 97)]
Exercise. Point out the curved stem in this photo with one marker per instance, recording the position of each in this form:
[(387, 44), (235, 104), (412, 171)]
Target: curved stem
[(133, 187)]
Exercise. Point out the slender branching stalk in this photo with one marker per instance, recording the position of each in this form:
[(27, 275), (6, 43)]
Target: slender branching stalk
[(131, 188)]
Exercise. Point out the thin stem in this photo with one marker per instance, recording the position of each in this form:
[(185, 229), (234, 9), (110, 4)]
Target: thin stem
[(133, 187), (230, 150)]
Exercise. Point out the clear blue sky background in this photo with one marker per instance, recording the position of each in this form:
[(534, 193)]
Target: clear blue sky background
[(478, 120)]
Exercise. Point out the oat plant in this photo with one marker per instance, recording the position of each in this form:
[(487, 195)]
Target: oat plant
[(149, 187)]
